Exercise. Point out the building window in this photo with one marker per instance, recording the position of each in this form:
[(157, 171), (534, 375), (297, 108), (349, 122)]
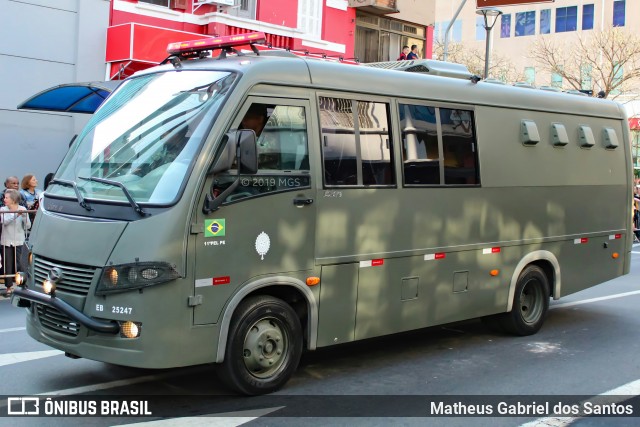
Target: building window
[(618, 13), (556, 80), (505, 27), (164, 3), (545, 21), (618, 75), (566, 19), (310, 17), (525, 24), (441, 28), (585, 77), (587, 17), (530, 75), (481, 33), (356, 143)]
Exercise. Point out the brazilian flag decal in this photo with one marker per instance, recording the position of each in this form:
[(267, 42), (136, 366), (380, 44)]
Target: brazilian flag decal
[(213, 227)]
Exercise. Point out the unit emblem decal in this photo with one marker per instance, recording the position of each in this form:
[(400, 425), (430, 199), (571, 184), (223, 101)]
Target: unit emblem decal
[(263, 243)]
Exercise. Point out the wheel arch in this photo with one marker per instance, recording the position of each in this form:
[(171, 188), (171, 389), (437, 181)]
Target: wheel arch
[(549, 264), (278, 287)]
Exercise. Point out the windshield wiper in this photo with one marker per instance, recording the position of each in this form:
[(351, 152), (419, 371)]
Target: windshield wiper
[(132, 202), (73, 185)]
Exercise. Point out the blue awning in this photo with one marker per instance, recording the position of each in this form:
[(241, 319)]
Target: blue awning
[(71, 97)]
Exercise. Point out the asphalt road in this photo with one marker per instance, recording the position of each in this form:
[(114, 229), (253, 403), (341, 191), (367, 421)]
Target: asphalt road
[(588, 346)]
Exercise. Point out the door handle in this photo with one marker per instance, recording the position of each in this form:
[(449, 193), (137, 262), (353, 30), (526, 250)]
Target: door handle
[(300, 202)]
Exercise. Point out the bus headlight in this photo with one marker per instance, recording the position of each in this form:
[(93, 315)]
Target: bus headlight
[(125, 277)]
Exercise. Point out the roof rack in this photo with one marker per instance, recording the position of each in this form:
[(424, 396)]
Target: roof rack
[(426, 66)]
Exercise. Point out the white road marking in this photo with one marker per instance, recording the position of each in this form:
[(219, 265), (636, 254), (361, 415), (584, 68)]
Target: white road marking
[(11, 358), (590, 300), (228, 419), (108, 385), (12, 329), (622, 393)]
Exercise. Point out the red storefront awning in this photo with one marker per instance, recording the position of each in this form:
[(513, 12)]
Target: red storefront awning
[(132, 47)]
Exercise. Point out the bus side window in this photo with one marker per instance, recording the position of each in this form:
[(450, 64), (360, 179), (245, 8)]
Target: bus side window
[(420, 144), (459, 146), (347, 152)]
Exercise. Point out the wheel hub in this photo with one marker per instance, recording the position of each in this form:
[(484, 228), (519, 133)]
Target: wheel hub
[(264, 348)]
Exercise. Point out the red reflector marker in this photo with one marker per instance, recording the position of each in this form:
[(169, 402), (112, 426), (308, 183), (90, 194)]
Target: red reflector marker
[(615, 236), (224, 280), (581, 241), (491, 251), (371, 263)]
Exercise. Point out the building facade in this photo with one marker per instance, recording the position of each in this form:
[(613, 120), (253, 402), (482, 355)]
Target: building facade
[(560, 22), (68, 41)]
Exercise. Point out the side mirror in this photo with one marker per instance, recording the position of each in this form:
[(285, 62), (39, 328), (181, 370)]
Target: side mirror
[(239, 146), (245, 141)]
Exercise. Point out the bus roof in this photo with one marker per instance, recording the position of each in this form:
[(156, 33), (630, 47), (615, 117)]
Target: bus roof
[(283, 68)]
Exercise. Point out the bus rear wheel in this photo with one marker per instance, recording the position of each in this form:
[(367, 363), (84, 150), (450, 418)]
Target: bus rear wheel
[(263, 347), (530, 303)]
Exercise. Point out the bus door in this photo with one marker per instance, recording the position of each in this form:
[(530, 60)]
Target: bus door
[(267, 225)]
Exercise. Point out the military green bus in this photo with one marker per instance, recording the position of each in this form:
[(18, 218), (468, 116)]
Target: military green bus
[(238, 210)]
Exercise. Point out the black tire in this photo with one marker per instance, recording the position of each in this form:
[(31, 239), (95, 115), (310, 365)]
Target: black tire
[(530, 303), (263, 346)]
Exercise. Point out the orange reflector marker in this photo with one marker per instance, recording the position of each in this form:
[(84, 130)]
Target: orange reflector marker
[(312, 281), (615, 255), (494, 272)]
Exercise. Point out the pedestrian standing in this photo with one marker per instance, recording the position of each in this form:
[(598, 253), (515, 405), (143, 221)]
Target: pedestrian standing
[(414, 52), (14, 231)]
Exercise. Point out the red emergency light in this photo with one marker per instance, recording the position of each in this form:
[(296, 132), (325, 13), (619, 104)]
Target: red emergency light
[(222, 42)]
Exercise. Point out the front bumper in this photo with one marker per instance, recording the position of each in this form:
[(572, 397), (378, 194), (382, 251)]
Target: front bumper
[(23, 294)]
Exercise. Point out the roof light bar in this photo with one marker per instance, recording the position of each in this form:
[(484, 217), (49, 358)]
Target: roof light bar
[(215, 43)]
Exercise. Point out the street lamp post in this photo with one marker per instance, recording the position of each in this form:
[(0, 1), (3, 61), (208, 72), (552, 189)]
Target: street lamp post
[(490, 15)]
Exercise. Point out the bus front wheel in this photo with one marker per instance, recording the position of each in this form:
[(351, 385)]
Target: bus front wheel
[(263, 346), (530, 303)]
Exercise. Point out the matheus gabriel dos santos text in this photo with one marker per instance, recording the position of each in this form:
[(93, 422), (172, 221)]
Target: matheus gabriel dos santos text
[(531, 408)]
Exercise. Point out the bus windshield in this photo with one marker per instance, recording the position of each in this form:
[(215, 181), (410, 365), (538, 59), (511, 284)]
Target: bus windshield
[(144, 138)]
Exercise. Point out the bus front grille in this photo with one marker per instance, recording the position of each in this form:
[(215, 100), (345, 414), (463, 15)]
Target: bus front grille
[(54, 320), (76, 279)]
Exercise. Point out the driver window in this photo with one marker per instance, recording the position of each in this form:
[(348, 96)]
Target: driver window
[(283, 155)]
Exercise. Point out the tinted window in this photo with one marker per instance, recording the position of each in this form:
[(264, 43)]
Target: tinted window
[(525, 23), (438, 146), (356, 143), (421, 153), (458, 142)]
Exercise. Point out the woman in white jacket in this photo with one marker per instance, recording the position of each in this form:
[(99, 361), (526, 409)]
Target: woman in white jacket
[(14, 229)]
